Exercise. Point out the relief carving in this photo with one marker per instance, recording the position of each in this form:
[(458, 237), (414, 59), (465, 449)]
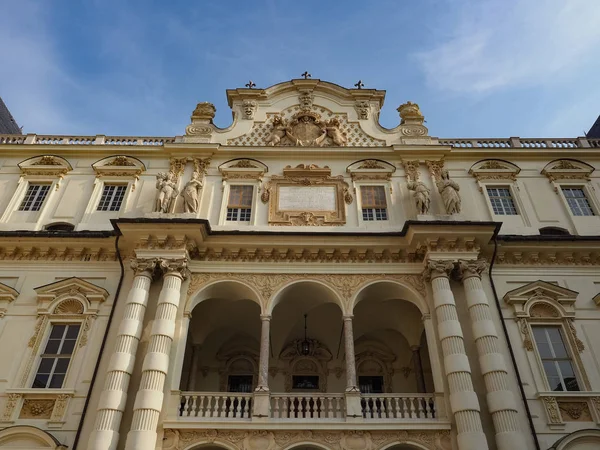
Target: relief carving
[(552, 410), (36, 409), (363, 109), (166, 193), (575, 411), (249, 108), (9, 407)]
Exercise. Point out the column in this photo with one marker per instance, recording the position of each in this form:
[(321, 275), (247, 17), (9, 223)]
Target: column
[(149, 397), (350, 358), (500, 400), (463, 400), (418, 368), (261, 408), (114, 395), (191, 385)]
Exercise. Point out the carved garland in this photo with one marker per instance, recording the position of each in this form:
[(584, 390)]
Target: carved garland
[(280, 439)]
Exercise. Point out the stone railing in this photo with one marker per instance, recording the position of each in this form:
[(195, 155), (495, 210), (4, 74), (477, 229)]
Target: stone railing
[(515, 142), (308, 406), (398, 406), (223, 405), (12, 139)]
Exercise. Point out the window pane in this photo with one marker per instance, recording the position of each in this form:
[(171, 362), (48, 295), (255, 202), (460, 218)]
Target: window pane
[(373, 197), (40, 381), (240, 196), (502, 201), (57, 331), (62, 364), (73, 331), (67, 347), (57, 381), (539, 334), (46, 365), (544, 350), (52, 347), (578, 202)]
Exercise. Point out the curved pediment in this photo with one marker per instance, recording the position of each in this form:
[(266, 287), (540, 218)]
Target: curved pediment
[(306, 113), (567, 169), (47, 165), (494, 169)]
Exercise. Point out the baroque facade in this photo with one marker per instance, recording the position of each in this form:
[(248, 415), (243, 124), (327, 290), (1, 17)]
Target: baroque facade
[(303, 279)]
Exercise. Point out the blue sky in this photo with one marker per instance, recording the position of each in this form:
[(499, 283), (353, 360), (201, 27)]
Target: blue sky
[(477, 68)]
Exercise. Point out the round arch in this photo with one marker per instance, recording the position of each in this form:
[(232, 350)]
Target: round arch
[(306, 445), (232, 289), (402, 291), (210, 445), (330, 294), (588, 439), (23, 436), (407, 445)]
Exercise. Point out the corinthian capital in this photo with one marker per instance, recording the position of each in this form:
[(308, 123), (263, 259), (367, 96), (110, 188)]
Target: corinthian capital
[(170, 266), (471, 268), (435, 269), (141, 265)]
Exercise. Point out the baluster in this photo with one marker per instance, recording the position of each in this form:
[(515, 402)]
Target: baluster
[(200, 411), (286, 407), (184, 405), (192, 411), (385, 406), (214, 412), (422, 407), (405, 413), (397, 412), (411, 407), (240, 406), (275, 407), (322, 408), (247, 406), (221, 403), (329, 408)]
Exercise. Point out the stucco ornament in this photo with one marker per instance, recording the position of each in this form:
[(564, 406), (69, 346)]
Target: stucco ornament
[(448, 189), (422, 196), (204, 111), (190, 194), (166, 192), (278, 131), (410, 112), (334, 132), (363, 109), (249, 108)]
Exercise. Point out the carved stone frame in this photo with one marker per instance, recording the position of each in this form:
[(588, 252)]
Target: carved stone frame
[(307, 175)]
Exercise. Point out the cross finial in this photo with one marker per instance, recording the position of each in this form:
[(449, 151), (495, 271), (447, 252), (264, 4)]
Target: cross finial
[(306, 75), (359, 85), (250, 84)]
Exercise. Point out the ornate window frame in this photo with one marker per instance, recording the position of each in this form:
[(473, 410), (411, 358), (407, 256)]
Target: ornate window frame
[(372, 172), (543, 303), (318, 357), (378, 354), (228, 356), (68, 301), (307, 175), (46, 169), (7, 296)]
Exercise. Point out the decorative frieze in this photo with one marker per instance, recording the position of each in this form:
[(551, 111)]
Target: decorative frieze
[(575, 411), (281, 439), (54, 252), (552, 410), (37, 408)]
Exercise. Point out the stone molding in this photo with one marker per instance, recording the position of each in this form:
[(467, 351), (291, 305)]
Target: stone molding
[(471, 268), (438, 268), (281, 439), (549, 257), (346, 285)]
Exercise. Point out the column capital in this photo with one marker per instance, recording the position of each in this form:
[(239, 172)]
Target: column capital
[(435, 269), (347, 317), (177, 267), (471, 268), (265, 317), (143, 266)]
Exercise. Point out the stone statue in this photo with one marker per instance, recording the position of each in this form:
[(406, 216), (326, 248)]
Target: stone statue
[(449, 192), (167, 192), (421, 196), (278, 132), (191, 193), (334, 132)]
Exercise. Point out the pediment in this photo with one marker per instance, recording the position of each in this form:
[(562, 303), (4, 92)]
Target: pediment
[(46, 165), (7, 295), (119, 165), (243, 168), (523, 297), (567, 169), (494, 169), (89, 294), (371, 169)]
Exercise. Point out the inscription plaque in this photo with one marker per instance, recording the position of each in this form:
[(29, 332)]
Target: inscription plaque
[(307, 198)]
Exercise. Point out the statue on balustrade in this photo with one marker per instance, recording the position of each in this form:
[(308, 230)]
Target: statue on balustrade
[(421, 195), (166, 192), (448, 189), (190, 194)]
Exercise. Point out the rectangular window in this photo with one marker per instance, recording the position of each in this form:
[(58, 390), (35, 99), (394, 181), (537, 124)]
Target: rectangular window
[(371, 384), (502, 201), (555, 358), (112, 197), (34, 197), (374, 204), (240, 383), (56, 357), (578, 202), (239, 206)]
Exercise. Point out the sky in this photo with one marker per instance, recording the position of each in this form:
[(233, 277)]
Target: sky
[(477, 68)]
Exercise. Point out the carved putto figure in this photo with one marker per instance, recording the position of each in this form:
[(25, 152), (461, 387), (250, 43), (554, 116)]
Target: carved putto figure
[(279, 129), (204, 111), (410, 112), (190, 194), (248, 109), (449, 192), (422, 196), (334, 132), (166, 192)]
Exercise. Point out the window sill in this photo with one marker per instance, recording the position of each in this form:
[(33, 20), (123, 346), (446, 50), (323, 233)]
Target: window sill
[(41, 391)]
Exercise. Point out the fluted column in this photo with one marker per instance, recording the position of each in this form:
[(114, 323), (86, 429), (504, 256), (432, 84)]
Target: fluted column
[(149, 398), (263, 369), (114, 395), (500, 400), (350, 358), (463, 399)]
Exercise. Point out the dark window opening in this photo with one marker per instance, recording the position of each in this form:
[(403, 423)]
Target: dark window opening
[(239, 383), (60, 227), (371, 384), (310, 382), (554, 231)]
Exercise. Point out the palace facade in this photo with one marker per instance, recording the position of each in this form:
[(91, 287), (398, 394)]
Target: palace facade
[(303, 279)]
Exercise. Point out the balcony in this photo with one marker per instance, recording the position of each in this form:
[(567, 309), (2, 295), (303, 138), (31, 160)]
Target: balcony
[(199, 407)]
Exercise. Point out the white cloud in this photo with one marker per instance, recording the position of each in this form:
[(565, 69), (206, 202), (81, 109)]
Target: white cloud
[(493, 44)]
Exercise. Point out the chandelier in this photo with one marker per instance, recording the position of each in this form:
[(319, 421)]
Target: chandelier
[(305, 344)]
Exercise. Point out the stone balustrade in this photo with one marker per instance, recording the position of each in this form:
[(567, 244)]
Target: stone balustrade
[(308, 406), (223, 405), (398, 406)]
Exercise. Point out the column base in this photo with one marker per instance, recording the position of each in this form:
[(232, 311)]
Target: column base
[(472, 441), (141, 440)]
